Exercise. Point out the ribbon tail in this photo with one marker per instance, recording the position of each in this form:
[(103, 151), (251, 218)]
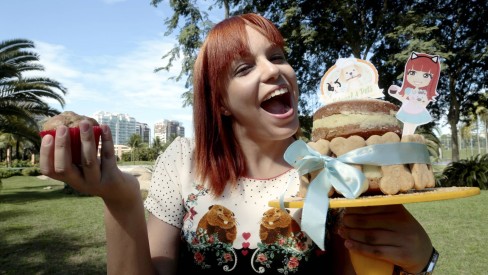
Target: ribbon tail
[(314, 212)]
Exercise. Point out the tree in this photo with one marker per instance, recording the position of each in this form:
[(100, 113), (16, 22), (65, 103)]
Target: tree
[(464, 39), (384, 32), (313, 43), (158, 145), (192, 32), (135, 142), (22, 98)]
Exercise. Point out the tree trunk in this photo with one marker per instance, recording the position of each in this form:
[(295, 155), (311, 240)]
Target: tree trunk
[(453, 118), (9, 157), (486, 136), (454, 142)]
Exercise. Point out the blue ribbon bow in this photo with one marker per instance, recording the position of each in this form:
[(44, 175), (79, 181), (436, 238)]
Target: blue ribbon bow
[(346, 179)]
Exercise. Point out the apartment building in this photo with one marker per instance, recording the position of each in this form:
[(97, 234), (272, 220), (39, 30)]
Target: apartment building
[(167, 129), (121, 125), (143, 130)]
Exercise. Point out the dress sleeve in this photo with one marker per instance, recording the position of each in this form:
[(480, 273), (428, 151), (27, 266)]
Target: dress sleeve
[(171, 171)]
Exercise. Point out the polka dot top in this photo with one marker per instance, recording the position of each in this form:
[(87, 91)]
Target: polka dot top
[(235, 232)]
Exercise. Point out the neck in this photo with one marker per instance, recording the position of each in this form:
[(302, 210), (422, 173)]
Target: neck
[(265, 159)]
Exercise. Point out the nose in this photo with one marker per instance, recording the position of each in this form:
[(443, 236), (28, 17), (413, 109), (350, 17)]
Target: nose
[(269, 70)]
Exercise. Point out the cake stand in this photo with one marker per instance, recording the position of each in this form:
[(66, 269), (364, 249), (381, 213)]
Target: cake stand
[(364, 265)]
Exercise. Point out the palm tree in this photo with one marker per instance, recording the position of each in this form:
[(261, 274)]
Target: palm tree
[(22, 98), (135, 142)]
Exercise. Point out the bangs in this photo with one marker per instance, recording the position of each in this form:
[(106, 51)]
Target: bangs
[(228, 41)]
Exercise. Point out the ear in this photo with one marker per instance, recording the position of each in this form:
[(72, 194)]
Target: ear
[(224, 111), (435, 58), (414, 55)]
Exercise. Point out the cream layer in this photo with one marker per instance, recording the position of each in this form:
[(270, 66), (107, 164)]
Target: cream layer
[(365, 121)]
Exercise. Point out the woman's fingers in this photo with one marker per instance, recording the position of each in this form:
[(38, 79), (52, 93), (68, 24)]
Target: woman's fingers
[(46, 160), (107, 154), (371, 217), (388, 232), (62, 151), (90, 165)]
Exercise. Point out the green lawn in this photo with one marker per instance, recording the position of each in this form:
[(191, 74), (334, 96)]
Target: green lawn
[(43, 231)]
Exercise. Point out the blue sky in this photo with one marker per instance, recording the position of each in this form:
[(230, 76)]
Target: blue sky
[(104, 52)]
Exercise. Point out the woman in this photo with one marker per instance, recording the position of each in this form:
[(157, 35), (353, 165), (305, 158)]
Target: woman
[(208, 199)]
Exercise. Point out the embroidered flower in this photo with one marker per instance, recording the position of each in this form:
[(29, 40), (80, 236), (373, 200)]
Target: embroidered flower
[(293, 263), (227, 257), (198, 257), (261, 258)]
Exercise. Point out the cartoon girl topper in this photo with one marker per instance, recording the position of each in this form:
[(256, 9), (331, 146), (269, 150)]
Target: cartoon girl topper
[(350, 78), (419, 86)]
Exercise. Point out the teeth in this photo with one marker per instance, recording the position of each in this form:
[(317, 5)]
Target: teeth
[(276, 93)]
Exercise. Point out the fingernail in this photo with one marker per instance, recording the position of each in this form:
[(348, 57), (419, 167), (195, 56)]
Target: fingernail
[(84, 127), (60, 131), (47, 140)]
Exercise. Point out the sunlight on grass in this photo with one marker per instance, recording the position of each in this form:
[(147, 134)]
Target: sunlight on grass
[(45, 231)]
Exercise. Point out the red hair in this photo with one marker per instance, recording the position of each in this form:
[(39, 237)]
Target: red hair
[(425, 63), (218, 156)]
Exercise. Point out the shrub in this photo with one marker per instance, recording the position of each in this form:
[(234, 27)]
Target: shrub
[(7, 173), (472, 172), (31, 171), (21, 163)]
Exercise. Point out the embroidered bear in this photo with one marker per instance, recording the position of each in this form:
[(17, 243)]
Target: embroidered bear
[(221, 221), (276, 224)]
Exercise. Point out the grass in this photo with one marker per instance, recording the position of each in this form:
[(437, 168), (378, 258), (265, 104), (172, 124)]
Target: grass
[(44, 231)]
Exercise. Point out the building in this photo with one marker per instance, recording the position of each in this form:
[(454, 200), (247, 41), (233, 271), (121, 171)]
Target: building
[(168, 129), (143, 130), (122, 126)]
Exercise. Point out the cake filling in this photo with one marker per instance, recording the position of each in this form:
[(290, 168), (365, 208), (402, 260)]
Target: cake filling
[(278, 104)]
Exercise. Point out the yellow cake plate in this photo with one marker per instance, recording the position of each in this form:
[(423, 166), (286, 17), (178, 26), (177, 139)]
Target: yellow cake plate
[(426, 195), (364, 265)]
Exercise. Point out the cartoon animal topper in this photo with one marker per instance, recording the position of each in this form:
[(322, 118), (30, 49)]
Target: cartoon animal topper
[(420, 79), (350, 78)]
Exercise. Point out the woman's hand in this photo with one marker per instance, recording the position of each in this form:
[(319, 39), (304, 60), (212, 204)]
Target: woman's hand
[(388, 232), (95, 177)]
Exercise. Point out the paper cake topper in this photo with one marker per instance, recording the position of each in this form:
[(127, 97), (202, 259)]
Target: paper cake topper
[(350, 78), (419, 86)]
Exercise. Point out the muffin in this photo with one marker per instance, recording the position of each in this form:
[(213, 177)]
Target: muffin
[(71, 120)]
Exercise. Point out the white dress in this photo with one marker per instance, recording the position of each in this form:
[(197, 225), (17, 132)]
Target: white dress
[(237, 232)]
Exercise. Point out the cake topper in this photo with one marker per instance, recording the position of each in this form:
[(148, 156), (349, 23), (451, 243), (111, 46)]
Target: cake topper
[(419, 86), (350, 78)]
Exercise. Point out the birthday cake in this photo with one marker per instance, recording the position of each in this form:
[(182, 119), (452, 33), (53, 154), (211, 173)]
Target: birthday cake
[(353, 117), (361, 117)]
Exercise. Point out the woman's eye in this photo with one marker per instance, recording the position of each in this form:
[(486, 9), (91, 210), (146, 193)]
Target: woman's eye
[(242, 69), (411, 73), (427, 75), (278, 58)]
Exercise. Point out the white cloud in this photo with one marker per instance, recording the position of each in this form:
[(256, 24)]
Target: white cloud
[(119, 84)]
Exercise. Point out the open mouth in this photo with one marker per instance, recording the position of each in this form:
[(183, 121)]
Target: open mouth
[(353, 76), (278, 102)]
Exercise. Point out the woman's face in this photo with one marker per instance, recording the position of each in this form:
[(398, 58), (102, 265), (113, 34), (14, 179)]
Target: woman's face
[(419, 79), (262, 95)]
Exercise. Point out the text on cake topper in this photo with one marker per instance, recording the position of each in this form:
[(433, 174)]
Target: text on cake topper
[(350, 78)]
